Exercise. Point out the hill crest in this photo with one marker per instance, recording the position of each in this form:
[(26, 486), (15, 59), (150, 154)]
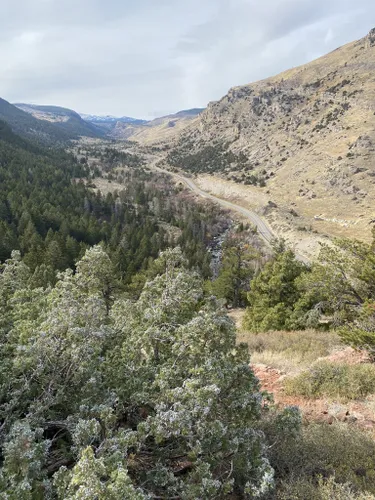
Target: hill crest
[(67, 120), (306, 136)]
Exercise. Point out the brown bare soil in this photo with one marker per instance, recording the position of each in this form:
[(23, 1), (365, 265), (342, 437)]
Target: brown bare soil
[(361, 413), (287, 358)]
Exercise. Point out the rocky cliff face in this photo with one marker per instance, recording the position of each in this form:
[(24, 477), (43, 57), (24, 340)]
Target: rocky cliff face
[(308, 133)]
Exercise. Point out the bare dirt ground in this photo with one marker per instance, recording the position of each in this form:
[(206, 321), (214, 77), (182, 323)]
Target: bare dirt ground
[(358, 412), (105, 186), (297, 230), (361, 413)]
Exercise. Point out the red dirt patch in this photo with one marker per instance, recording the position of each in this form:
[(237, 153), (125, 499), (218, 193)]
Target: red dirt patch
[(348, 356), (361, 413)]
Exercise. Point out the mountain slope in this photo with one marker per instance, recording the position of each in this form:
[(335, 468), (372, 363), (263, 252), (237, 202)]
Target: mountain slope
[(108, 120), (26, 125), (160, 129), (308, 134), (143, 131), (66, 120), (7, 135)]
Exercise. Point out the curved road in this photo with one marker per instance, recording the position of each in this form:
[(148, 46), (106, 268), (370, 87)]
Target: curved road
[(263, 229)]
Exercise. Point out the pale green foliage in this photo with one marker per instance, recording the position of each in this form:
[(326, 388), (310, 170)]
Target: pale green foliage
[(128, 399), (329, 490), (188, 351), (14, 276), (25, 454), (326, 489), (97, 275), (85, 481)]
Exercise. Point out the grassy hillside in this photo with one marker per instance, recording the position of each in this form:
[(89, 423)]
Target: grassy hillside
[(311, 128), (155, 131)]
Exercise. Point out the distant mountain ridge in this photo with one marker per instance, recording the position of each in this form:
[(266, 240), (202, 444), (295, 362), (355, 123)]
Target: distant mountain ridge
[(27, 126), (157, 130), (67, 120), (51, 124), (147, 131), (103, 119)]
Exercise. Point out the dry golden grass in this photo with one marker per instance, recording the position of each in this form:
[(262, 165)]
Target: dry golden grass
[(313, 168), (161, 132), (290, 352), (326, 462), (327, 379)]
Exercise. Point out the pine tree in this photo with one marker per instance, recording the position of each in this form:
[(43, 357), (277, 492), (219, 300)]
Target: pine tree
[(145, 398), (274, 293), (236, 271)]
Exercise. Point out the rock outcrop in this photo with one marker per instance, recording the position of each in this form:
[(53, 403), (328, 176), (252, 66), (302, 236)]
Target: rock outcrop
[(303, 131)]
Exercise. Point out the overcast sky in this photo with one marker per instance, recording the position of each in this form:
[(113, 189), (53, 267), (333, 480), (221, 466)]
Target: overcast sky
[(147, 58)]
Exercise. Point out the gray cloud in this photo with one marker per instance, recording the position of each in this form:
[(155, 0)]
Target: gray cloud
[(145, 58)]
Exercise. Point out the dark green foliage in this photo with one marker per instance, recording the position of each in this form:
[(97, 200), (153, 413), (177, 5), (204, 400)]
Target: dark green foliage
[(38, 198), (6, 134), (360, 334), (274, 293), (337, 291), (216, 157), (50, 215), (112, 158), (209, 159), (239, 262)]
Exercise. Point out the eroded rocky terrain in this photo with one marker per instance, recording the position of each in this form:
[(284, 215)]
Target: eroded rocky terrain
[(306, 138)]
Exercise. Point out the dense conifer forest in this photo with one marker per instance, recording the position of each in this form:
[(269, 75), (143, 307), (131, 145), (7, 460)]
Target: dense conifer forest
[(51, 212), (121, 374)]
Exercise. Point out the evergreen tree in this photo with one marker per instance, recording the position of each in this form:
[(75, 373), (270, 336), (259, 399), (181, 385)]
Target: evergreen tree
[(126, 399), (274, 293), (237, 269)]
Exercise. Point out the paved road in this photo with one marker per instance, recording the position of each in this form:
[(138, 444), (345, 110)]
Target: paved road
[(263, 229)]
